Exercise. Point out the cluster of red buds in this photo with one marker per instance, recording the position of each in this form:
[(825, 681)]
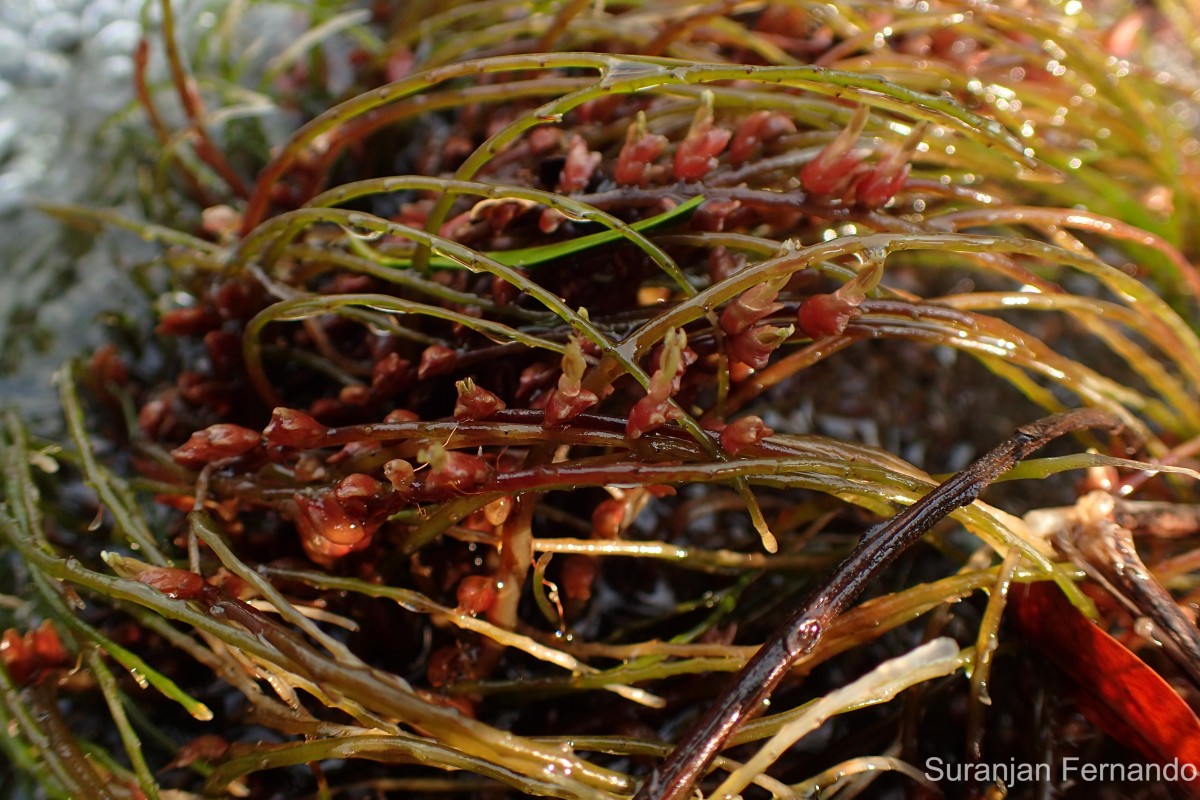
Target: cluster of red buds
[(840, 171), (698, 153), (750, 341), (27, 658)]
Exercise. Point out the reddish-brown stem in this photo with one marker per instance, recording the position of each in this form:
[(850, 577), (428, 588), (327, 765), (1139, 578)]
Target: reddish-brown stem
[(193, 107), (141, 89), (687, 763)]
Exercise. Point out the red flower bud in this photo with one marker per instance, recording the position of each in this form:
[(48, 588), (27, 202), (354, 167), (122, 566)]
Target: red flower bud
[(835, 168), (713, 216), (758, 128), (577, 576), (607, 518), (476, 594), (47, 647), (475, 402), (655, 409), (400, 415), (358, 488), (561, 406), (192, 321), (876, 188), (436, 360), (743, 433), (178, 584), (215, 443), (754, 346), (635, 163), (649, 414), (209, 749), (570, 398), (826, 315), (452, 470), (107, 367), (16, 657), (697, 154), (551, 219), (390, 376), (578, 168), (26, 657), (399, 473), (751, 306), (329, 529), (722, 264), (291, 428)]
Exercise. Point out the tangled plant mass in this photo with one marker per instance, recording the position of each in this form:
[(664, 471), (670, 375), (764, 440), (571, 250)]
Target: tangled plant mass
[(564, 353)]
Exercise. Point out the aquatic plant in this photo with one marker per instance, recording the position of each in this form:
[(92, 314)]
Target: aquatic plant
[(574, 346)]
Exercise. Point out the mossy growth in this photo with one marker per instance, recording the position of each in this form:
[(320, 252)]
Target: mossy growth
[(496, 412)]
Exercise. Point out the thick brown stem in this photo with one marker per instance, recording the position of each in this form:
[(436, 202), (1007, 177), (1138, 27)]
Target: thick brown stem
[(677, 776)]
